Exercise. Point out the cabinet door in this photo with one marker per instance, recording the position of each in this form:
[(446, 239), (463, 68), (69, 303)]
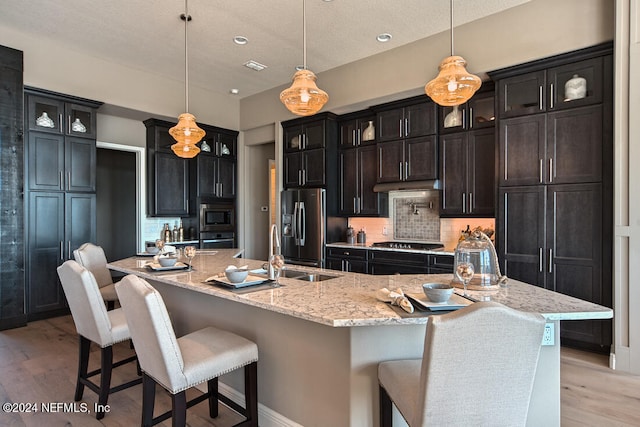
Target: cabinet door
[(171, 185), (163, 139), (420, 119), (349, 133), (80, 120), (334, 264), (225, 145), (565, 84), (482, 177), (390, 161), (421, 158), (45, 251), (574, 146), (348, 160), (207, 167), (314, 135), (453, 174), (45, 114), (453, 119), (369, 202), (313, 164), (80, 221), (45, 154), (292, 170), (356, 266), (226, 178), (293, 138), (521, 233), (522, 95), (481, 111), (522, 150), (80, 164), (390, 124)]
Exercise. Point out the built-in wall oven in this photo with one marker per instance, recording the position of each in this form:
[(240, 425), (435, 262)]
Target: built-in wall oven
[(217, 225), (213, 240)]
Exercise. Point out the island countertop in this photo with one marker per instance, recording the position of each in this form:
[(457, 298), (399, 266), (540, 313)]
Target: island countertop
[(349, 299)]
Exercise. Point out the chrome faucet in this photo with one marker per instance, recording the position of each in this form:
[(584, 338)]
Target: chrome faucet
[(273, 239)]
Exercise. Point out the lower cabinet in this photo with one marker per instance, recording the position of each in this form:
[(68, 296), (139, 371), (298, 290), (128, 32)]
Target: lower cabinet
[(58, 223), (347, 259)]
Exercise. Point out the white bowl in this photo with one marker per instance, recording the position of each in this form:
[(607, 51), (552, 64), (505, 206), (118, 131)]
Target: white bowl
[(167, 261), (437, 292), (236, 276)]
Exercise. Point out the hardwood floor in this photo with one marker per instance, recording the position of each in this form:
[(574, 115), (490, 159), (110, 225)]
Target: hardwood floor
[(38, 365)]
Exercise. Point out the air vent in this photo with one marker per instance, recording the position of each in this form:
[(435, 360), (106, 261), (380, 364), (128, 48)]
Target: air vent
[(254, 65)]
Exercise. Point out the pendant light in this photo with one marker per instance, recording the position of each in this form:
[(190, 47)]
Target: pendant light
[(453, 85), (304, 98), (186, 133)]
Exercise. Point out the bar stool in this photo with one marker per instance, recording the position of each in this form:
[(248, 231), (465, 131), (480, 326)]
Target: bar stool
[(94, 324), (477, 368), (92, 258), (181, 363)]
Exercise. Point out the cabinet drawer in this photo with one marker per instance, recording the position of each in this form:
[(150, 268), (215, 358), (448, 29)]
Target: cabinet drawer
[(350, 253), (444, 262), (399, 257)]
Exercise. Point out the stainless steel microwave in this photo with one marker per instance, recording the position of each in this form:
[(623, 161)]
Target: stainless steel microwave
[(217, 217)]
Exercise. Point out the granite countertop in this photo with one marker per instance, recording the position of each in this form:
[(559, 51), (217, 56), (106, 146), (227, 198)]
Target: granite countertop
[(349, 299), (445, 251)]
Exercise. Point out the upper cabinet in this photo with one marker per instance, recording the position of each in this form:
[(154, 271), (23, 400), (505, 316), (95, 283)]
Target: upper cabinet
[(406, 119), (307, 133), (477, 113), (565, 86), (52, 115), (357, 129)]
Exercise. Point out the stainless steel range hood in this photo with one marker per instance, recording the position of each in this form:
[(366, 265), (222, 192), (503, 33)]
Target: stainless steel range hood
[(407, 185)]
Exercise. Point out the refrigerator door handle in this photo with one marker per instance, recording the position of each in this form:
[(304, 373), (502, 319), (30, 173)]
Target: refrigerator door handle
[(303, 223), (295, 223)]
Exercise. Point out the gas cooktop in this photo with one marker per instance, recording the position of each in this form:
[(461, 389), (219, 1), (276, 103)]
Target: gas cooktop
[(409, 245)]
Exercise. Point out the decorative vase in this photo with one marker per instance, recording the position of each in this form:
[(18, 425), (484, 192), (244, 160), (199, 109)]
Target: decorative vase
[(575, 88), (454, 118), (369, 134), (77, 126), (205, 147), (45, 121)]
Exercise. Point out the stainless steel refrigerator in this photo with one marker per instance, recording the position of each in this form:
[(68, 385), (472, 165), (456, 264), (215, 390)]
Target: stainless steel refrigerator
[(305, 226)]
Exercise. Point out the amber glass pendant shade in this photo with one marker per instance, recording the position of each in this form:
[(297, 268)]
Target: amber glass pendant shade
[(187, 134), (453, 85), (304, 98)]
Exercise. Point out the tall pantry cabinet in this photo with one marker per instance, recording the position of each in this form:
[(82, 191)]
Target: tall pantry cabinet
[(554, 219), (60, 191)]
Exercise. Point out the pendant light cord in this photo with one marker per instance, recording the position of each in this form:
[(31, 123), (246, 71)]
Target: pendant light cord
[(304, 35), (186, 58), (451, 9)]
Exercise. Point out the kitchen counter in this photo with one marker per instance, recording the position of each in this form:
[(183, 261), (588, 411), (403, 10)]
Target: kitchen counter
[(320, 342), (445, 251)]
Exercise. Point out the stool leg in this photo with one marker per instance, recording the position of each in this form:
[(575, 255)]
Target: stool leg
[(212, 388), (386, 419), (106, 365), (179, 409), (148, 399), (83, 364), (251, 393)]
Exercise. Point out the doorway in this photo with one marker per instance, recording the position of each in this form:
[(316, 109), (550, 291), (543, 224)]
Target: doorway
[(116, 221)]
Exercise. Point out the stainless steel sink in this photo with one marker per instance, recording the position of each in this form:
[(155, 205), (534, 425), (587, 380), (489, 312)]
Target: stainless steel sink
[(292, 274), (313, 277)]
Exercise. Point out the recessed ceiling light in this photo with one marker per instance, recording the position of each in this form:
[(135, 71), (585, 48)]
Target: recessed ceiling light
[(240, 40), (383, 38), (234, 91), (254, 65)]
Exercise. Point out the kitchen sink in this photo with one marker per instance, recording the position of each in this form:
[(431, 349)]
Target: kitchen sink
[(316, 277), (292, 274)]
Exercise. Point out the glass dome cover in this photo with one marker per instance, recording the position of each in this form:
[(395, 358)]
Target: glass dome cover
[(478, 249)]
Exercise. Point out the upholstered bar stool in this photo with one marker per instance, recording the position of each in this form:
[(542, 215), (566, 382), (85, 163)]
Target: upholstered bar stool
[(94, 324), (477, 369), (92, 258), (181, 363)]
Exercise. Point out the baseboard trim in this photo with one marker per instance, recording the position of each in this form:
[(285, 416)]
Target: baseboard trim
[(13, 322)]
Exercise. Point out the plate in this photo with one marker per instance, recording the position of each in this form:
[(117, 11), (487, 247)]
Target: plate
[(157, 267), (455, 302), (249, 281)]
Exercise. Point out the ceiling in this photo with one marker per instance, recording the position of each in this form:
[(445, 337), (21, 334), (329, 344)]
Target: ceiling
[(149, 36)]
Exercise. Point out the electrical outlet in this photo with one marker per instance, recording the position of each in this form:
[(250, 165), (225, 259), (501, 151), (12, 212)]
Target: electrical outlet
[(548, 338), (385, 231)]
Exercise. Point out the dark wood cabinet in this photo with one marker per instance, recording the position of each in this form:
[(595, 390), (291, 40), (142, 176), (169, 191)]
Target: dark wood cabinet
[(406, 119), (554, 223), (175, 184), (467, 173), (352, 129), (477, 113), (357, 178), (60, 159), (408, 160), (347, 259), (310, 147)]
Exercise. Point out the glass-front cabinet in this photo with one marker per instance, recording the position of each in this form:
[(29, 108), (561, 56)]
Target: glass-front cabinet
[(477, 113), (66, 118)]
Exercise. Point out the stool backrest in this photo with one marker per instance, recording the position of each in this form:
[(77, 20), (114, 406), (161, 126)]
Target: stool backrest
[(92, 258), (478, 366), (151, 331), (85, 302)]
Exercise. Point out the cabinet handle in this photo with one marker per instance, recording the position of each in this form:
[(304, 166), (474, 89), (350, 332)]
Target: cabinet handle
[(353, 137), (347, 253), (540, 259), (221, 190), (553, 96), (61, 179), (551, 169), (358, 199), (354, 206), (347, 266), (304, 141), (359, 135), (400, 128), (550, 260), (69, 180), (60, 120), (541, 170), (540, 92), (464, 203), (470, 124), (406, 127), (380, 163), (61, 250), (299, 176), (400, 170), (470, 202), (69, 249), (406, 170)]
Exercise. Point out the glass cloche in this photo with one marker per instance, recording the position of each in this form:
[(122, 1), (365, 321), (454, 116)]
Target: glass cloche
[(478, 250)]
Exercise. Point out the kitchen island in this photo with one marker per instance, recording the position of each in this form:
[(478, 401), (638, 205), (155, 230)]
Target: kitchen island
[(320, 342)]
